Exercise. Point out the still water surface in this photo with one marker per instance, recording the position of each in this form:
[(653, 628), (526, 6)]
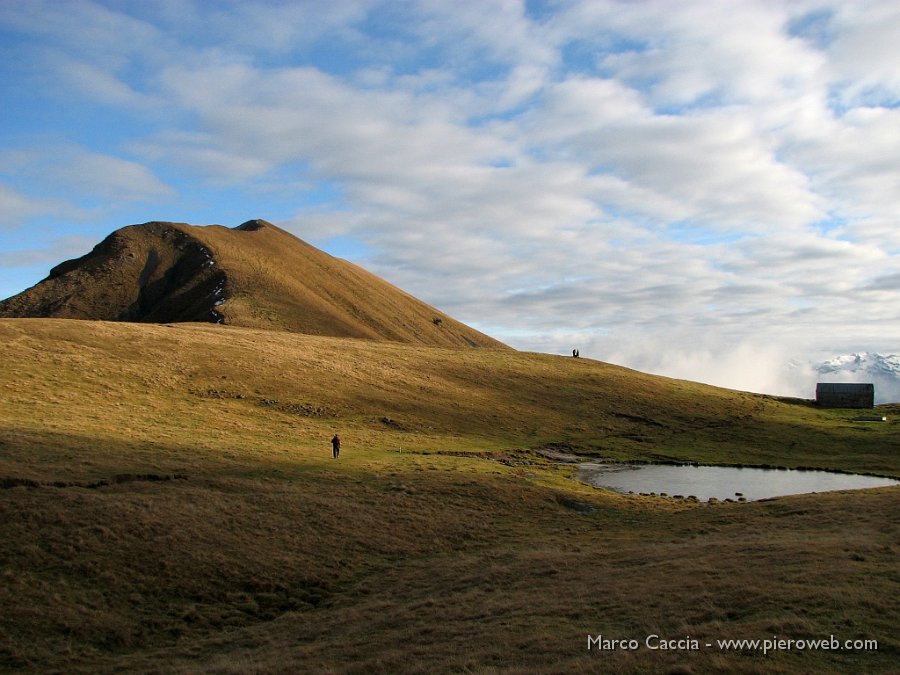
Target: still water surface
[(721, 482)]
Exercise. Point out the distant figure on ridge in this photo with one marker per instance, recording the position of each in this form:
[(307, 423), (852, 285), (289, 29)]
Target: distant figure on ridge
[(575, 353), (336, 446)]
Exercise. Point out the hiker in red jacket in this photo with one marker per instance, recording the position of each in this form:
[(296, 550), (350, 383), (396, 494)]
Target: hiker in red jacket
[(336, 446)]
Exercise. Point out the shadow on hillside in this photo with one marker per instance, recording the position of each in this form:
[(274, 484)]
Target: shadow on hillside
[(47, 458)]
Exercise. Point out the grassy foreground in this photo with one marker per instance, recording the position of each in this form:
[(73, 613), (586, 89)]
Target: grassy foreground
[(169, 504)]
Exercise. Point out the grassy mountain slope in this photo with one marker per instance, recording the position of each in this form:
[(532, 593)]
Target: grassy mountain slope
[(256, 275), (169, 503)]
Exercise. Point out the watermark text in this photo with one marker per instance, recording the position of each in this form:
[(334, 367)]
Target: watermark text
[(765, 645)]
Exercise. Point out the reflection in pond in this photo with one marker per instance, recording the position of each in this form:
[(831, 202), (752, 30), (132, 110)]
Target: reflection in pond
[(721, 482)]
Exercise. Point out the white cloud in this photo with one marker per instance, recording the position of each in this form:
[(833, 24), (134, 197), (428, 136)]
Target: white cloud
[(16, 208), (202, 156), (89, 28), (108, 177), (855, 164), (97, 83), (864, 51), (69, 169), (702, 53), (63, 248)]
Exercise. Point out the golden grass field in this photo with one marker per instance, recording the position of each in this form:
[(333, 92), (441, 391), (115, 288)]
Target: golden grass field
[(169, 504)]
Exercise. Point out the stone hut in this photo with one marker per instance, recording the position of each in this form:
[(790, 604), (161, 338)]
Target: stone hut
[(845, 395)]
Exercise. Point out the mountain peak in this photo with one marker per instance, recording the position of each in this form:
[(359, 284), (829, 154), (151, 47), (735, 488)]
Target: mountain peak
[(863, 363), (163, 272), (254, 225)]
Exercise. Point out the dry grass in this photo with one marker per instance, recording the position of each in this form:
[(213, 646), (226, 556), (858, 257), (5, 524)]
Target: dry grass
[(459, 554)]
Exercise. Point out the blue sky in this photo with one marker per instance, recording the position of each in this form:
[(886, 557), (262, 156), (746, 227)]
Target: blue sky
[(701, 189)]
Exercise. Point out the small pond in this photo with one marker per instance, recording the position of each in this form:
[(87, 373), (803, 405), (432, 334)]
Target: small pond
[(721, 482)]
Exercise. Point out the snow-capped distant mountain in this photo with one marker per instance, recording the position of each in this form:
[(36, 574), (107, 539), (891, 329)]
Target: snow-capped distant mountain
[(865, 363), (883, 370)]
